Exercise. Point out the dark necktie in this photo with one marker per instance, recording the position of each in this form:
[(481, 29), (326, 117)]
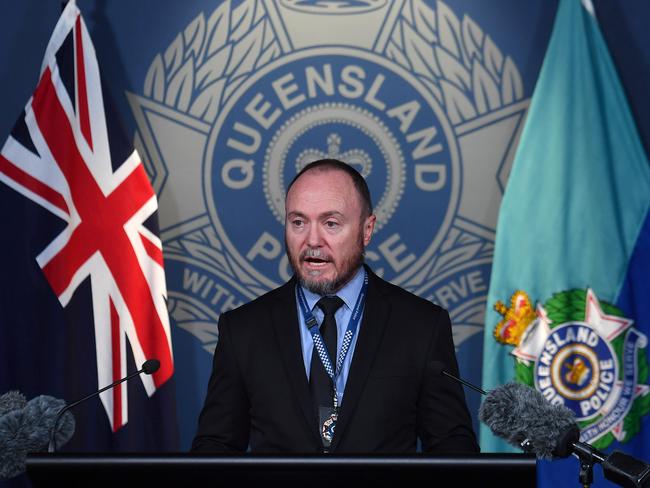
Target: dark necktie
[(320, 384)]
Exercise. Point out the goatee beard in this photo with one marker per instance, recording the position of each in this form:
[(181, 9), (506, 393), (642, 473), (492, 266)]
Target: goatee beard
[(327, 287)]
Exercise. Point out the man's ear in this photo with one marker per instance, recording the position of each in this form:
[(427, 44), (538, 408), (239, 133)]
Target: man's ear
[(368, 227)]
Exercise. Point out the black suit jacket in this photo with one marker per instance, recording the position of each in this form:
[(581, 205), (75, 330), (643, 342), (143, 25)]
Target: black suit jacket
[(258, 393)]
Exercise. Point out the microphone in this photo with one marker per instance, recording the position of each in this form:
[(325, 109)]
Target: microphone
[(148, 367), (524, 418), (25, 427)]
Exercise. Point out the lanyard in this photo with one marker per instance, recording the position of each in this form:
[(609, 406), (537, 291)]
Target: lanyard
[(353, 325)]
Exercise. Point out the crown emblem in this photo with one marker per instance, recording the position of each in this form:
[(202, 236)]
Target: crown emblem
[(515, 319), (358, 158)]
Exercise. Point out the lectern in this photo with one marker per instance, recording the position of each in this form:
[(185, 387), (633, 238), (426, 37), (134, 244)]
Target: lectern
[(305, 471)]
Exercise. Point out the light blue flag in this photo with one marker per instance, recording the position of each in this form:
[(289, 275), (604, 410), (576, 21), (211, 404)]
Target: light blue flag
[(574, 235)]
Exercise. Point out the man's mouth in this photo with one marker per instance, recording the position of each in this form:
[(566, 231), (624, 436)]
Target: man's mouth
[(315, 258), (316, 261)]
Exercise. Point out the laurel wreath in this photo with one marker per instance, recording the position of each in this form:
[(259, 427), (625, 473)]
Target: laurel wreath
[(462, 66), (196, 75), (455, 60), (203, 66), (569, 306), (195, 317), (203, 248), (458, 248)]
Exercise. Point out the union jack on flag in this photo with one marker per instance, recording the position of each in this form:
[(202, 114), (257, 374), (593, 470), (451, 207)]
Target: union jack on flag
[(62, 156)]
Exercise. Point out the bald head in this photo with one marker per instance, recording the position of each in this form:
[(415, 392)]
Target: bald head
[(360, 185)]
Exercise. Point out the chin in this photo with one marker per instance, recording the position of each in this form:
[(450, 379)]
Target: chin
[(320, 287)]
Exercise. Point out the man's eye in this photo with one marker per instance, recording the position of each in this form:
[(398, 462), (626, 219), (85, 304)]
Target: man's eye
[(331, 224), (297, 223)]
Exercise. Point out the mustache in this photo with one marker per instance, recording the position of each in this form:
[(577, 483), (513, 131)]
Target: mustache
[(315, 253)]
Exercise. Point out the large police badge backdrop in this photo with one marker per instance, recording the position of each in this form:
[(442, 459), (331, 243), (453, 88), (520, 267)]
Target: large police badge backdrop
[(417, 96)]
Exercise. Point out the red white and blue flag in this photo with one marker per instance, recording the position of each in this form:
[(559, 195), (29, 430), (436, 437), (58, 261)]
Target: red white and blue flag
[(87, 214)]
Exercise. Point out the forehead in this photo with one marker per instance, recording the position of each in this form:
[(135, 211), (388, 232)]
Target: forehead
[(323, 188)]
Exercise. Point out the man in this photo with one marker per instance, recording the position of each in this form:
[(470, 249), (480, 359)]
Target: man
[(368, 385)]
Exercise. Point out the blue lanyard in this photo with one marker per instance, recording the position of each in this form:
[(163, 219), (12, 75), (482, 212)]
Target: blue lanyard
[(353, 325)]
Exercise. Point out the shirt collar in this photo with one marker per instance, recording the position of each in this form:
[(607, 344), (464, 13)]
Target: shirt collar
[(348, 293)]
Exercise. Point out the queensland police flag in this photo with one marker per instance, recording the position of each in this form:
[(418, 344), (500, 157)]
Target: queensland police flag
[(569, 299), (83, 297)]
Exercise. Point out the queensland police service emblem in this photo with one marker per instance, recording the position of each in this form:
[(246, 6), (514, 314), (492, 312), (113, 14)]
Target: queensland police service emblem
[(417, 98), (582, 353)]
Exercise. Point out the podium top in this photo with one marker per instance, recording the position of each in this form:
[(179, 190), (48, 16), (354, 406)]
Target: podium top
[(98, 469)]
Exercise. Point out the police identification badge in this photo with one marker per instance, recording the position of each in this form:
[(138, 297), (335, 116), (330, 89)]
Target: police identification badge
[(582, 353), (415, 95), (327, 417)]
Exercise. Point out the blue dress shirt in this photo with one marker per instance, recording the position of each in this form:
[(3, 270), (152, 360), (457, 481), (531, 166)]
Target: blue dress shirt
[(349, 294)]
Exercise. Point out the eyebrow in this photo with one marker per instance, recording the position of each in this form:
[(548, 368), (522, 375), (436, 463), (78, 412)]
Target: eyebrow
[(331, 213)]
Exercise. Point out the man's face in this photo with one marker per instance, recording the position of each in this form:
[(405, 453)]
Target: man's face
[(325, 233)]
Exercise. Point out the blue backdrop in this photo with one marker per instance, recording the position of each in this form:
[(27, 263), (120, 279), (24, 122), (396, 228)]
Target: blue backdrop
[(428, 98)]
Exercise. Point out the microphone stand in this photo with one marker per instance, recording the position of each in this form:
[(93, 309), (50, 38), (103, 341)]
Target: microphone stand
[(588, 456), (148, 367), (618, 467)]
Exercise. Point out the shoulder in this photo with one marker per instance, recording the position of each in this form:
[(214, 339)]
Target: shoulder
[(262, 307), (402, 299)]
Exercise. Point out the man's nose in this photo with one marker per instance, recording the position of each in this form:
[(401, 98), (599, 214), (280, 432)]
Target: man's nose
[(314, 238)]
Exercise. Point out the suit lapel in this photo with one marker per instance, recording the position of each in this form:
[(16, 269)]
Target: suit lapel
[(284, 317), (375, 318)]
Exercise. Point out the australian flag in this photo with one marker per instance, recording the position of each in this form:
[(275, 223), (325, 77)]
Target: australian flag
[(82, 284)]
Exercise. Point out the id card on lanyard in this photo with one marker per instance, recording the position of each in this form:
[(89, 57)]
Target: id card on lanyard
[(327, 420)]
